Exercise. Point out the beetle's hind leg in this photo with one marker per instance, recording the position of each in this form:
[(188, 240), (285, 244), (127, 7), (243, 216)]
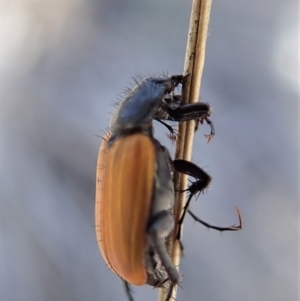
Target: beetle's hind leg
[(170, 291), (128, 290), (160, 226)]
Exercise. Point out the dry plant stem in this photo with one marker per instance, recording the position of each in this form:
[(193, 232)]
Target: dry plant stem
[(194, 62)]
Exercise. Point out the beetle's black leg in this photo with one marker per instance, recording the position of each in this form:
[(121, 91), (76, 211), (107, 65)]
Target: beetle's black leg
[(180, 222), (203, 180), (170, 291), (188, 112), (212, 129), (128, 290), (173, 133), (170, 288), (185, 112), (221, 229)]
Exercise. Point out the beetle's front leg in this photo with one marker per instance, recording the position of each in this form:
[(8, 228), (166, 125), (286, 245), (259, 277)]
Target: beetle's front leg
[(196, 111), (212, 128), (186, 112), (173, 109)]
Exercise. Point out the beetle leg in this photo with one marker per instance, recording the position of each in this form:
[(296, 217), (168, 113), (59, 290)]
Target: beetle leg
[(188, 112), (173, 132), (159, 228), (212, 129), (128, 290), (170, 291), (176, 111), (221, 229), (180, 222), (203, 180), (198, 186)]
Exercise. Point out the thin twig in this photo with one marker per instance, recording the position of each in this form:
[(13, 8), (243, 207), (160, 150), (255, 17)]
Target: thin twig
[(194, 62)]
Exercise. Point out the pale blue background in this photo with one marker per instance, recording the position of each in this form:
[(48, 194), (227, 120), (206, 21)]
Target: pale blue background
[(62, 63)]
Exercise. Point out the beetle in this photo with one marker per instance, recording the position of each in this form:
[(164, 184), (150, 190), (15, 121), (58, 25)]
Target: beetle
[(134, 185)]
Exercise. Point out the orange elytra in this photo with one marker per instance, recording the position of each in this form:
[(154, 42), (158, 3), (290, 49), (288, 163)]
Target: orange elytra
[(125, 179)]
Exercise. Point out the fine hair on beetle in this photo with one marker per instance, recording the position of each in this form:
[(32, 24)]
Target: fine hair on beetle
[(135, 195)]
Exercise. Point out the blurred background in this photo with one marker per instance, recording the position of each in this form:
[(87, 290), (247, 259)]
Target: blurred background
[(63, 63)]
